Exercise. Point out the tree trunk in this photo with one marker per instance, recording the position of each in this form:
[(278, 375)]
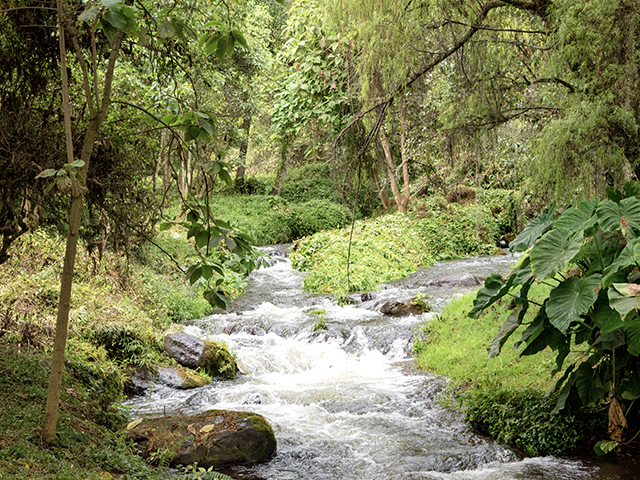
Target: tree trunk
[(244, 147), (400, 200), (285, 153), (406, 195), (75, 214)]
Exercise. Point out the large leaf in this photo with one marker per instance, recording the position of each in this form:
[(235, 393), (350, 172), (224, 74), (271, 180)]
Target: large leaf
[(630, 255), (588, 383), (632, 330), (624, 297), (533, 230), (549, 336), (553, 251), (625, 215), (578, 217), (606, 318), (494, 289), (572, 298), (506, 330)]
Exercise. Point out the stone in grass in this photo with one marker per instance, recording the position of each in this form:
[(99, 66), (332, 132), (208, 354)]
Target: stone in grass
[(411, 306), (194, 352), (216, 438)]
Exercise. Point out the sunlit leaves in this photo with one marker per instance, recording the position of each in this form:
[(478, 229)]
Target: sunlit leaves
[(571, 299), (553, 251)]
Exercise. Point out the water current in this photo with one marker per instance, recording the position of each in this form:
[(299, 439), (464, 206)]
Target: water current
[(347, 402)]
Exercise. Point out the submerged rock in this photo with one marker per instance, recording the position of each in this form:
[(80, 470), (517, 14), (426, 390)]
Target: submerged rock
[(194, 352), (464, 280), (215, 438)]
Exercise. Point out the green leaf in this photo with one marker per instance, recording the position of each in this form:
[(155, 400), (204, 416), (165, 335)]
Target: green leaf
[(215, 299), (578, 217), (625, 215), (534, 329), (630, 255), (533, 230), (506, 330), (49, 172), (610, 340), (207, 272), (604, 317), (211, 44), (212, 168), (231, 245), (224, 175), (623, 297), (222, 48), (588, 383), (553, 251), (614, 194), (572, 298), (195, 274), (632, 331), (237, 34), (116, 19), (77, 163), (88, 15), (166, 29), (109, 31), (604, 447), (549, 336), (110, 4), (494, 289), (165, 226), (631, 189)]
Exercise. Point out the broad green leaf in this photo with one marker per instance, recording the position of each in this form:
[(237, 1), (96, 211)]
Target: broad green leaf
[(614, 194), (549, 336), (88, 15), (202, 238), (212, 168), (110, 3), (237, 34), (570, 378), (49, 172), (572, 298), (115, 18), (604, 447), (610, 340), (630, 255), (534, 329), (109, 31), (632, 331), (623, 297), (506, 330), (625, 215), (494, 289), (165, 226), (231, 245), (195, 275), (207, 272), (216, 299), (578, 217), (77, 163), (211, 44), (533, 230), (224, 175), (588, 383), (553, 251), (166, 29), (606, 318), (222, 48), (631, 189)]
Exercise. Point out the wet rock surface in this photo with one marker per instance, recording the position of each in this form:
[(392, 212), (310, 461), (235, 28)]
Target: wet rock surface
[(215, 438)]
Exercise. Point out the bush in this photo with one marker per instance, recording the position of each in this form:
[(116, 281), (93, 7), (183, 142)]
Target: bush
[(524, 418), (316, 215)]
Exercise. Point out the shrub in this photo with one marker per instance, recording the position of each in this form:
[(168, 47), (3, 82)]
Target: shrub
[(316, 215)]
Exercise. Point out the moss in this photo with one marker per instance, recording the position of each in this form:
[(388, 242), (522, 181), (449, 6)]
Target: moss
[(218, 361), (260, 423), (192, 379)]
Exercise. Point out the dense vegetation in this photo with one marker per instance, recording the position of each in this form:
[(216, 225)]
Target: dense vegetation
[(163, 139)]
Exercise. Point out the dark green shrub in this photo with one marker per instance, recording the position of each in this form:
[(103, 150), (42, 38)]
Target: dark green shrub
[(506, 207), (316, 215), (127, 345), (310, 182), (525, 419)]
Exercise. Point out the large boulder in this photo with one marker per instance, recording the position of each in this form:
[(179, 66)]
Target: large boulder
[(194, 352), (180, 378), (412, 306), (215, 438)]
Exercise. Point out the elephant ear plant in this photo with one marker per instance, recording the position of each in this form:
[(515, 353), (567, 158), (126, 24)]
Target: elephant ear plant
[(589, 256)]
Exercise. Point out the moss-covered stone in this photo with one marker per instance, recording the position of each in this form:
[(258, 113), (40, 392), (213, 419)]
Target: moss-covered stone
[(214, 438), (192, 379), (217, 361)]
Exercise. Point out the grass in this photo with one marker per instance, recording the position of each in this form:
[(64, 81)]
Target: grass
[(119, 311), (505, 397)]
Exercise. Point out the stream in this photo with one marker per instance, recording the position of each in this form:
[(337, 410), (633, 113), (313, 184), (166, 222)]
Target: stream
[(347, 402)]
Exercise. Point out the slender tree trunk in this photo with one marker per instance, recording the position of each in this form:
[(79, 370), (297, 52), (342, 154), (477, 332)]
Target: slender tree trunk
[(244, 147), (406, 194), (400, 201), (75, 214), (281, 175)]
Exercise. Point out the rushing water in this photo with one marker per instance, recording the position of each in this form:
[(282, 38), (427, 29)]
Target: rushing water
[(347, 402)]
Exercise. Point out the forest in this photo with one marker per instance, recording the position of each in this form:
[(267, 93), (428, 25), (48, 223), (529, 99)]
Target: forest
[(148, 149)]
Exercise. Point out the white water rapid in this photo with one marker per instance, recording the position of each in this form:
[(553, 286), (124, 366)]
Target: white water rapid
[(347, 402)]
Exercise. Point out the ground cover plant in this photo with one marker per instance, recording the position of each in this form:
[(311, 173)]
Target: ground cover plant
[(393, 246), (504, 397), (589, 256)]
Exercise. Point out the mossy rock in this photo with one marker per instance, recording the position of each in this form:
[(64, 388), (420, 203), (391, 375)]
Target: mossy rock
[(215, 438), (217, 361)]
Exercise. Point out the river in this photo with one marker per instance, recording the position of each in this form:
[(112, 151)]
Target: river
[(347, 402)]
